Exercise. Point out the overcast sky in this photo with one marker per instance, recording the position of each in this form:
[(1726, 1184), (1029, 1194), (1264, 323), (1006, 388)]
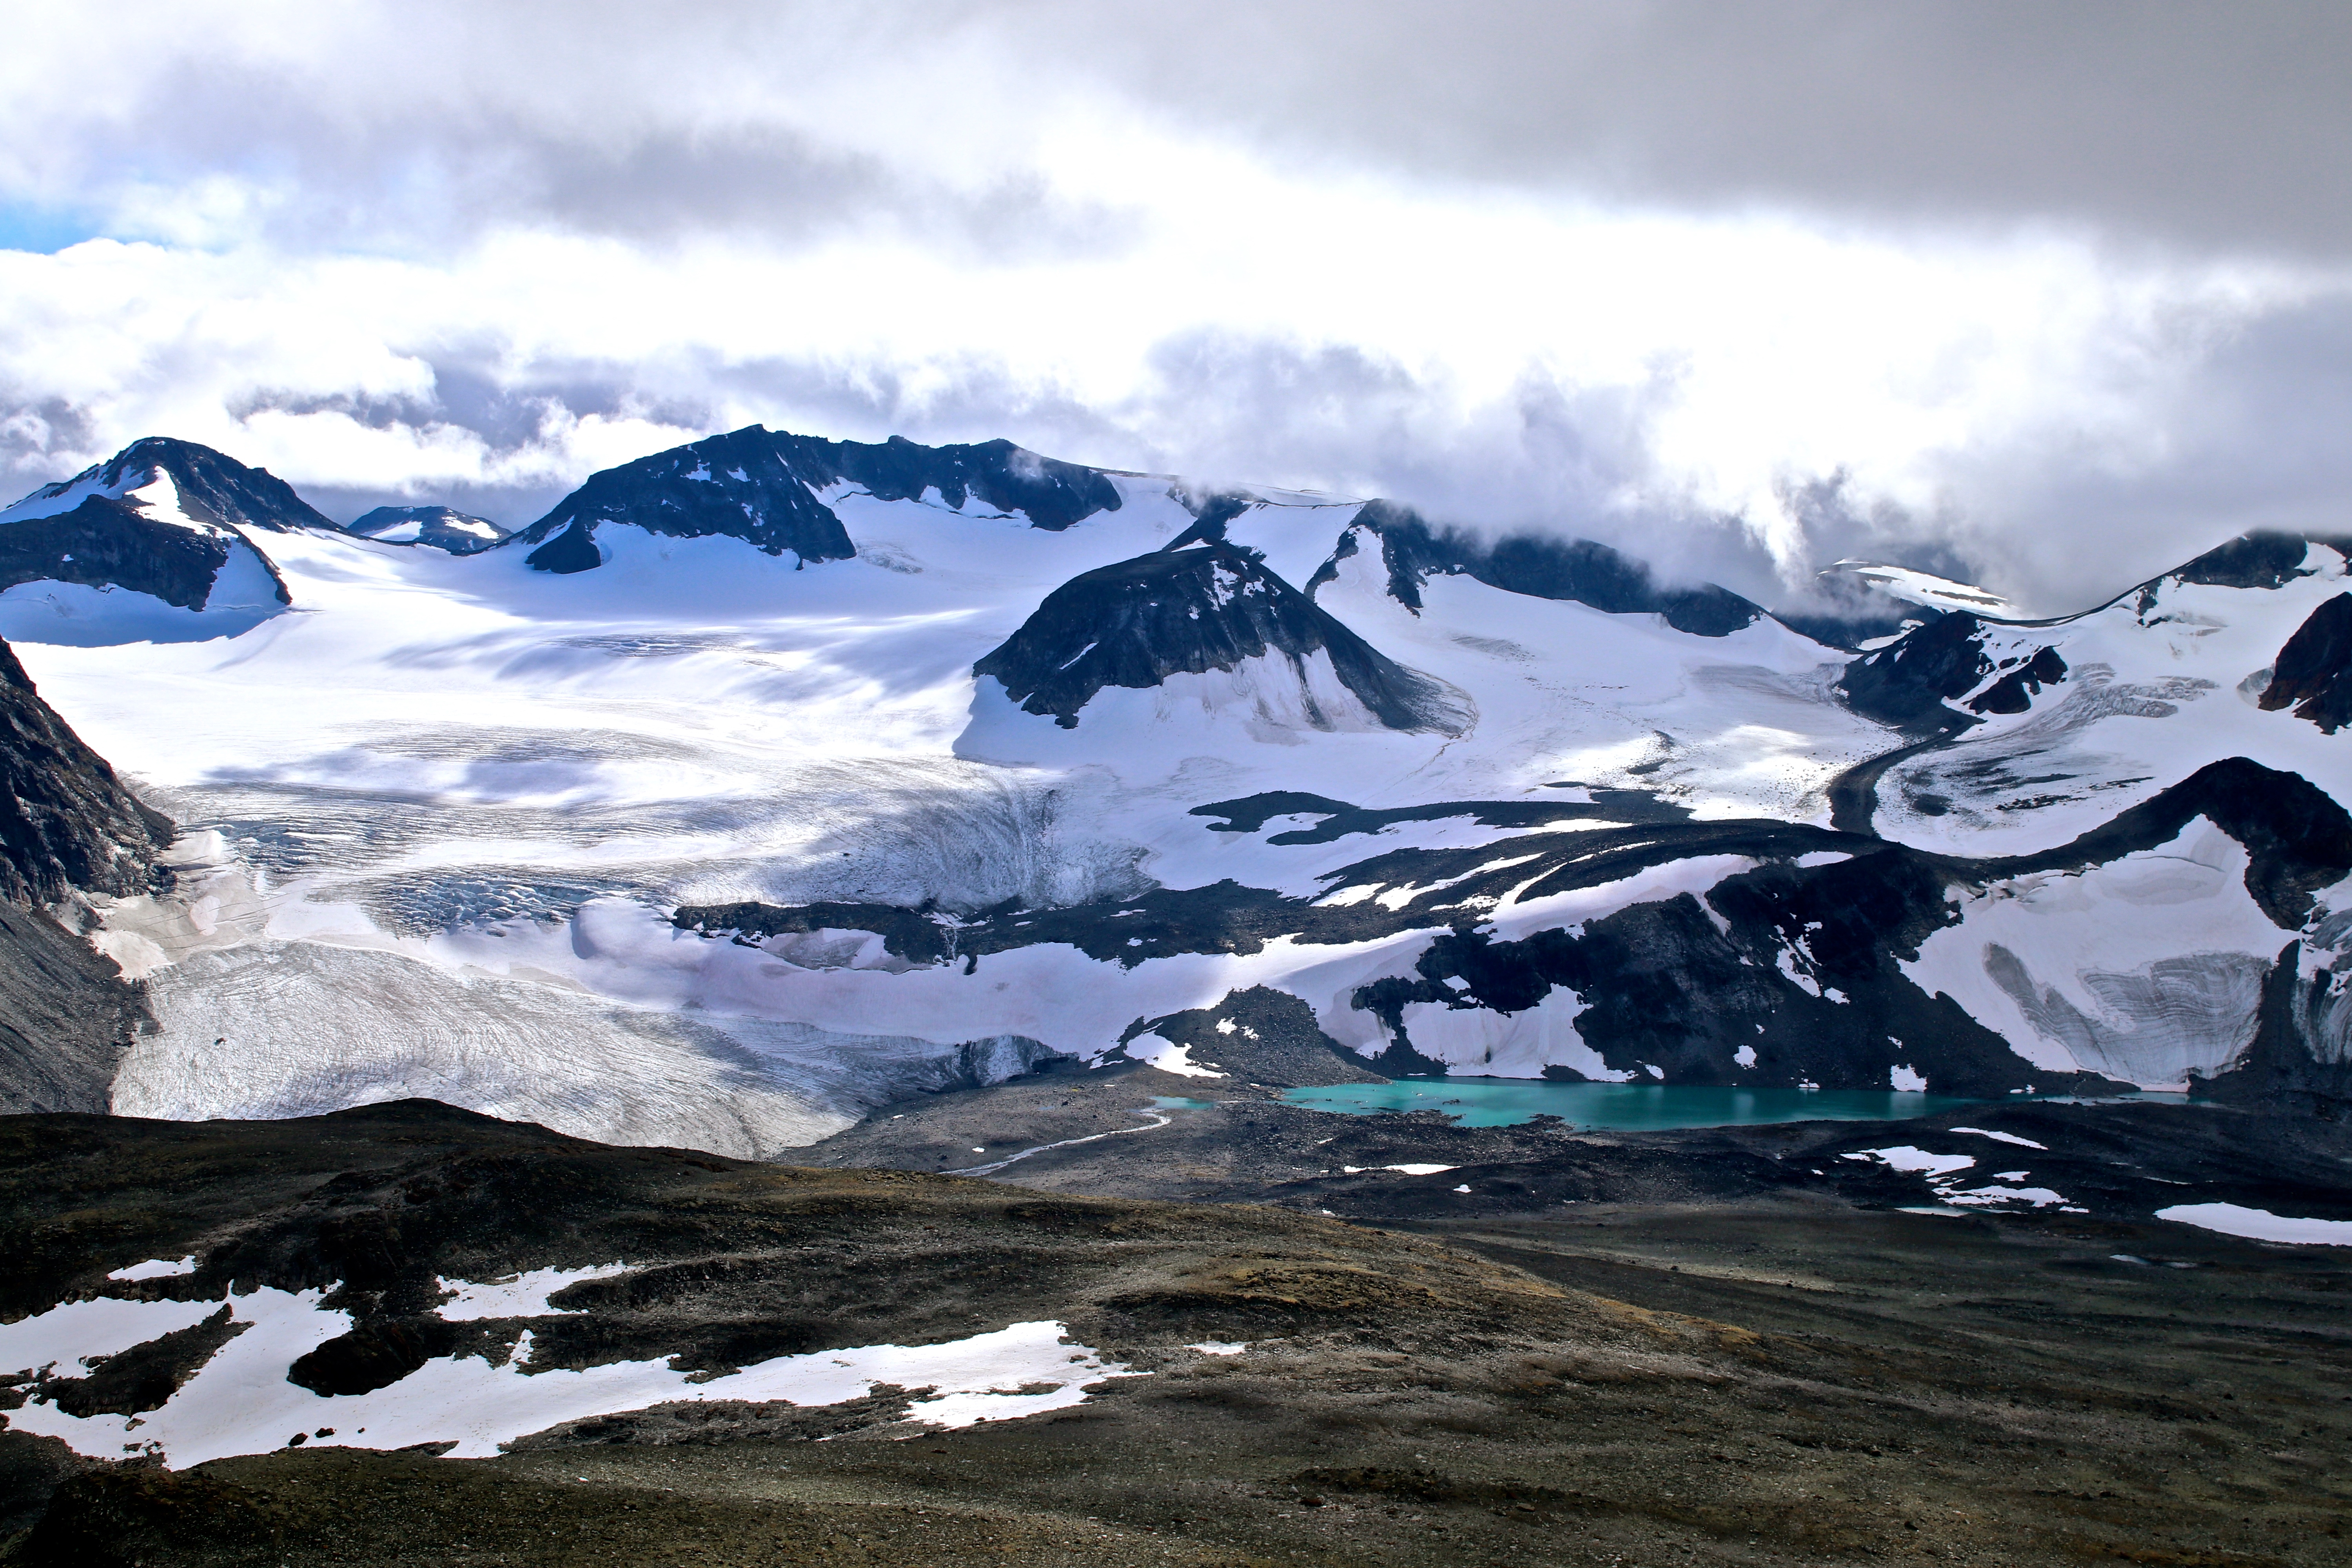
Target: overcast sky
[(2059, 294)]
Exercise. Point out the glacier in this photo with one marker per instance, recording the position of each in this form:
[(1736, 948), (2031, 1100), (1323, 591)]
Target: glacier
[(451, 803)]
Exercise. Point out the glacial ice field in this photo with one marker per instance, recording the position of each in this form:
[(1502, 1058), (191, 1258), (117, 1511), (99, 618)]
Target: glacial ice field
[(436, 811)]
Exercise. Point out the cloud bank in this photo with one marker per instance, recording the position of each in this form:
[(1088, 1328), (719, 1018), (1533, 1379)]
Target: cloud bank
[(2059, 295)]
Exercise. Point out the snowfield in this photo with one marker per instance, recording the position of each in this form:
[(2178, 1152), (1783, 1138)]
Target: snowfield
[(240, 1400), (434, 817)]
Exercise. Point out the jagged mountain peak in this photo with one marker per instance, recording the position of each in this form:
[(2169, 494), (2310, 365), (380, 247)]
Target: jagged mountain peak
[(166, 520), (2264, 558), (207, 487), (1582, 571), (1202, 607), (766, 488), (437, 527)]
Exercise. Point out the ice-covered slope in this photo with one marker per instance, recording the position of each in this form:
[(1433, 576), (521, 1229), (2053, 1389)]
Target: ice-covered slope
[(725, 839), (436, 527), (2050, 728), (147, 546)]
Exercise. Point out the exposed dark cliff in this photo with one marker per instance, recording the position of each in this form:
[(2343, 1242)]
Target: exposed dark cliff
[(2264, 559), (212, 486), (1578, 570), (1914, 681), (1204, 608), (2314, 670), (67, 824), (760, 486), (66, 821), (107, 544), (1788, 971), (107, 539)]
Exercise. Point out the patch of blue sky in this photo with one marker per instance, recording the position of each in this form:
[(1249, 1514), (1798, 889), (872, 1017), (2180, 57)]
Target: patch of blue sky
[(43, 230)]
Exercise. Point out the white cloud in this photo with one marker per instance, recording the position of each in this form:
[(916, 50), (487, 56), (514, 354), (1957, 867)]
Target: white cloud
[(527, 241)]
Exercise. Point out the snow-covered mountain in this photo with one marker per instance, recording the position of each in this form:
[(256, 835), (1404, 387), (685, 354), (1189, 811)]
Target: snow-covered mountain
[(1205, 624), (2045, 728), (771, 489), (434, 527), (152, 544), (765, 778)]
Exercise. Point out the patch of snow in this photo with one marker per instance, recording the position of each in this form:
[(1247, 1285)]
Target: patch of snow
[(2002, 1137), (76, 1331), (2146, 970), (2255, 1225), (1904, 1157), (1158, 1052), (522, 1296), (240, 1402), (157, 1268), (1903, 1081), (1220, 1347), (1979, 1196)]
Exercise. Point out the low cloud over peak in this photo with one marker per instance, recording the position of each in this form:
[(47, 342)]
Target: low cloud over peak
[(2057, 292)]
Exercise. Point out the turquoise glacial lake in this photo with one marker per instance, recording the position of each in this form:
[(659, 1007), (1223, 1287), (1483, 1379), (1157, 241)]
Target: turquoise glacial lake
[(1621, 1107)]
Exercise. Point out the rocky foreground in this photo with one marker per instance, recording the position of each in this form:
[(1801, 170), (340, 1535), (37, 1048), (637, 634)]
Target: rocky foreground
[(1772, 1376)]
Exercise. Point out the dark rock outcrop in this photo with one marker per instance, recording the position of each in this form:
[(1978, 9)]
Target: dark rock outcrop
[(911, 934), (212, 487), (108, 540), (1204, 608), (760, 486), (66, 821), (1783, 973), (108, 543), (573, 549), (439, 526), (1259, 1036), (2314, 670), (66, 825), (2296, 1062), (2264, 559), (1051, 494), (1908, 682), (66, 1016), (1576, 570), (2015, 692), (1913, 681)]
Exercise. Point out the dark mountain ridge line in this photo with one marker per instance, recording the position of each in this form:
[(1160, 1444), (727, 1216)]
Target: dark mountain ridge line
[(1911, 681), (1250, 813), (760, 486), (212, 487), (1795, 965), (1580, 571), (106, 542), (1205, 607)]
